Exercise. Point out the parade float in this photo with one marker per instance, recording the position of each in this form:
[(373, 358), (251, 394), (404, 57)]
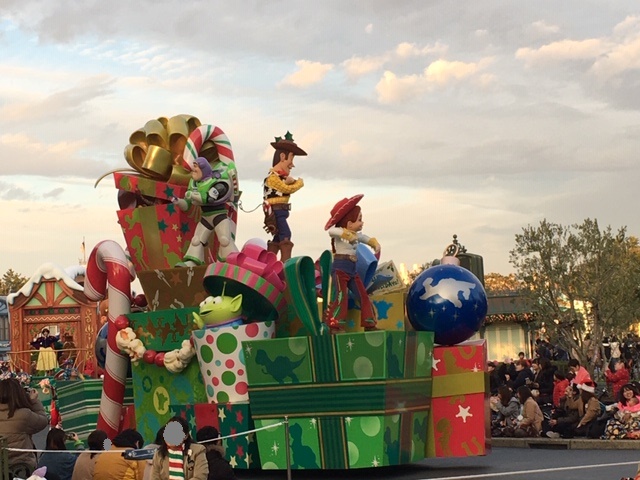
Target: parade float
[(235, 338)]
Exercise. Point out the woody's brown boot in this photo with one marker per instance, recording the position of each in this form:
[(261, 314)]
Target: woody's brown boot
[(285, 250), (273, 247)]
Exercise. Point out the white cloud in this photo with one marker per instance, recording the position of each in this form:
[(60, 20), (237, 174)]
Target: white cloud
[(544, 28), (563, 50), (406, 50), (440, 73), (359, 66), (308, 73)]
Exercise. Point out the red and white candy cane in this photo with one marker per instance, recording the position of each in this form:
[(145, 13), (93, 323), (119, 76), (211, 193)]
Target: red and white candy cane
[(108, 266), (225, 154), (201, 135)]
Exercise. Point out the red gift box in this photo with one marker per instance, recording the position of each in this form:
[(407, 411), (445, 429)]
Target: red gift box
[(460, 418)]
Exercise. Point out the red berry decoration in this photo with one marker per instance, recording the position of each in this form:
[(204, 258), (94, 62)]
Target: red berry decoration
[(159, 360), (121, 322), (149, 356), (140, 300)]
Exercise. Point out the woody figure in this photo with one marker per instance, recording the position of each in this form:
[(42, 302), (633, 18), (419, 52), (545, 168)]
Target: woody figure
[(277, 188)]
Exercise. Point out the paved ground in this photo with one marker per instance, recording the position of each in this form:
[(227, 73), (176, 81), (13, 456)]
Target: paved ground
[(511, 463), (516, 459)]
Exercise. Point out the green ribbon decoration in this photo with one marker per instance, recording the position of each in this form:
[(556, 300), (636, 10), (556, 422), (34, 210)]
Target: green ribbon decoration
[(299, 273)]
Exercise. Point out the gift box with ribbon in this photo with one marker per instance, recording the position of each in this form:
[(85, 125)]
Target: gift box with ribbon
[(221, 359), (173, 288), (380, 378), (242, 450), (163, 330), (459, 421), (389, 308), (156, 390), (157, 236), (79, 402), (197, 416), (149, 187)]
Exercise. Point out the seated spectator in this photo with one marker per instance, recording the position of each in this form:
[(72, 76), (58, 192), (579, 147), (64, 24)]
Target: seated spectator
[(508, 409), (591, 409), (112, 466), (523, 372), (219, 468), (581, 373), (494, 379), (531, 423), (86, 462), (542, 380), (59, 465), (625, 422), (565, 418), (617, 378), (156, 443), (560, 384)]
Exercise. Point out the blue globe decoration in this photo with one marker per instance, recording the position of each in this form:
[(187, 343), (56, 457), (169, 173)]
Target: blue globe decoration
[(448, 300), (101, 345)]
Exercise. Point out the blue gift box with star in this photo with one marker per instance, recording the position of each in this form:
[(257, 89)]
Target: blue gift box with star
[(353, 400)]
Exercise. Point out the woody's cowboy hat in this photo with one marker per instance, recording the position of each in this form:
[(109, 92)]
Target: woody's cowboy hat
[(288, 145), (341, 208)]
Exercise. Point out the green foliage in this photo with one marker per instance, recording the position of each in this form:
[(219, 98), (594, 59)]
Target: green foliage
[(11, 282), (580, 280)]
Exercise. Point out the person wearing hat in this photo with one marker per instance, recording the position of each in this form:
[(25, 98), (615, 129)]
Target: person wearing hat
[(210, 190), (344, 228), (277, 190), (45, 344)]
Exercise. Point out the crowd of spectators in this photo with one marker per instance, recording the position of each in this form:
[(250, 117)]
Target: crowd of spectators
[(533, 397)]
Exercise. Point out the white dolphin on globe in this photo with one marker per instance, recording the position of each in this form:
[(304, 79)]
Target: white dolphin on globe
[(448, 288)]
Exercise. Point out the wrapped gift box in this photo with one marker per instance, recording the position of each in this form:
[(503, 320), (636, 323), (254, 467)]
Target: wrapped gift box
[(163, 330), (389, 307), (241, 450), (221, 359), (459, 421), (147, 186), (382, 378), (373, 441), (79, 403), (173, 287), (156, 390), (157, 236)]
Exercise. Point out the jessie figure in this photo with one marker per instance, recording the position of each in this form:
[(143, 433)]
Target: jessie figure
[(344, 228), (277, 189)]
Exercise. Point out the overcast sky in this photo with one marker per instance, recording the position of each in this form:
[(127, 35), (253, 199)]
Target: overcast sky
[(475, 118)]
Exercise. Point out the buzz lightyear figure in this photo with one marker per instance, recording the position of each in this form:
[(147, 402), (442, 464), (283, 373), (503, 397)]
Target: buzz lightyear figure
[(210, 190)]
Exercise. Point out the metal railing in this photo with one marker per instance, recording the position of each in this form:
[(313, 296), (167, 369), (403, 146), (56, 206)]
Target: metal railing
[(18, 362)]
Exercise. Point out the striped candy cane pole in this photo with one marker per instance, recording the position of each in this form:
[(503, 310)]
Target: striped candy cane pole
[(225, 154), (108, 267)]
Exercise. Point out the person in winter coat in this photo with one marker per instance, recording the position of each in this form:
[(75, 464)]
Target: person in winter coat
[(543, 380), (567, 415), (111, 466), (219, 468), (21, 415), (560, 384), (177, 456), (60, 465), (625, 422), (508, 408), (523, 373), (581, 373), (531, 423), (618, 377), (86, 462)]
